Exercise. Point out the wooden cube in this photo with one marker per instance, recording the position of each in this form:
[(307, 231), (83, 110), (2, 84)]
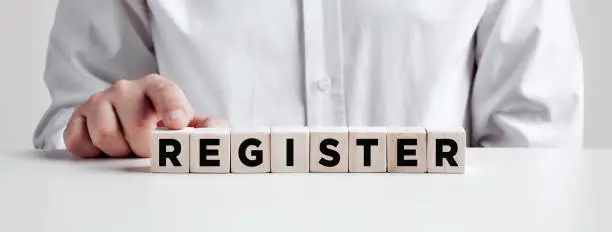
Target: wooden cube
[(446, 150), (367, 149), (329, 149), (406, 149), (170, 150), (210, 150), (290, 149), (250, 150)]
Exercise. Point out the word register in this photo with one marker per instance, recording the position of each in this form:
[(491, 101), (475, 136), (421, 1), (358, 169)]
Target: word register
[(303, 149)]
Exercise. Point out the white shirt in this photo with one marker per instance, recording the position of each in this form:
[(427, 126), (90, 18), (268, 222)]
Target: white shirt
[(509, 71)]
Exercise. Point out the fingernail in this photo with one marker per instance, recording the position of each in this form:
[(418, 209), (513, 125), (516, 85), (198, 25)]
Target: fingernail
[(177, 116)]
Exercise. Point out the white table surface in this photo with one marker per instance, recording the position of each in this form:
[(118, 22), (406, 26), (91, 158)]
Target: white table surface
[(502, 190)]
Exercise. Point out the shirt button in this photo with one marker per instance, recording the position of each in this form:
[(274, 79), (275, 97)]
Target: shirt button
[(323, 84)]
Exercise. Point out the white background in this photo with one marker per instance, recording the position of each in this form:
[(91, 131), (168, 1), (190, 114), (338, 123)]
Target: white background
[(25, 25)]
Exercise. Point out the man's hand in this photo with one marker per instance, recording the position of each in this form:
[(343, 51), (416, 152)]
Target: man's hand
[(118, 121)]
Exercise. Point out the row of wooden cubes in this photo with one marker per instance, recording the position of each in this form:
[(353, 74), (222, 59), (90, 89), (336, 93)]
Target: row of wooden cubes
[(303, 149)]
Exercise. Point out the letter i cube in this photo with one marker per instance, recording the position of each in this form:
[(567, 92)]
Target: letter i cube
[(290, 149)]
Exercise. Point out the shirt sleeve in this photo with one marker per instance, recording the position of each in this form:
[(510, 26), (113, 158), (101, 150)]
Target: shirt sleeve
[(92, 44), (528, 86)]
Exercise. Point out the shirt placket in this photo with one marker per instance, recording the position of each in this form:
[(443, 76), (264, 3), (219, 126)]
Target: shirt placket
[(323, 66)]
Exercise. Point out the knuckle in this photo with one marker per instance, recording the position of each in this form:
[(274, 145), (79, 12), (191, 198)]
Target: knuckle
[(95, 98), (111, 142), (158, 83), (164, 87), (121, 86), (77, 112), (153, 78), (106, 134), (171, 95), (103, 138)]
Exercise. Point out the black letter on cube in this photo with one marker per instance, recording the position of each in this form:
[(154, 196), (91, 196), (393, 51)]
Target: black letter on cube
[(329, 152), (173, 155), (290, 152), (205, 152), (440, 154), (401, 153), (257, 154), (367, 150)]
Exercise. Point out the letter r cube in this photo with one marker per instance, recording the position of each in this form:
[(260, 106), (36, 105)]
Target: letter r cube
[(170, 150)]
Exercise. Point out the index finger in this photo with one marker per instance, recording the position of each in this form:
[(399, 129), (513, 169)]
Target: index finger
[(168, 100)]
